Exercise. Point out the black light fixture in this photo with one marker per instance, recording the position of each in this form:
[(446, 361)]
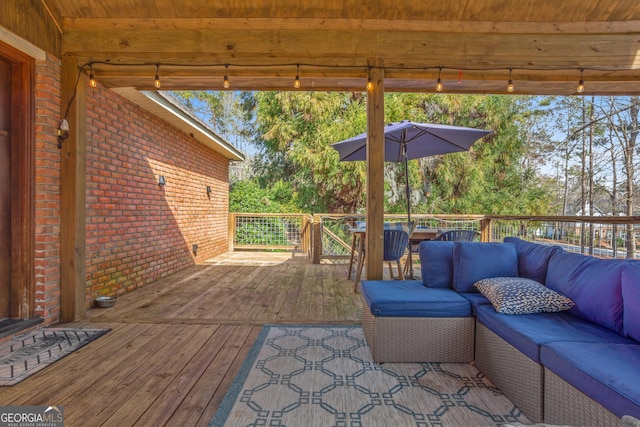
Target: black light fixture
[(209, 191), (161, 181), (194, 249)]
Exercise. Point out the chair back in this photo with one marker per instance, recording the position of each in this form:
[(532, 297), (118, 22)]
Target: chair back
[(395, 244), (458, 236)]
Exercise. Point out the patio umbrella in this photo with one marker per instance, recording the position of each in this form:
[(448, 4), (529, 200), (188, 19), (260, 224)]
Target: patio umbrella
[(407, 140)]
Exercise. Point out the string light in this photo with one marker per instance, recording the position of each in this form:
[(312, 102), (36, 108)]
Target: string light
[(439, 86), (510, 86), (225, 82), (156, 82), (296, 82), (580, 87), (92, 81), (369, 84)]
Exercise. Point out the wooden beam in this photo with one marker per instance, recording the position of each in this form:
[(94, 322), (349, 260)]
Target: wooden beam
[(375, 172), (72, 190)]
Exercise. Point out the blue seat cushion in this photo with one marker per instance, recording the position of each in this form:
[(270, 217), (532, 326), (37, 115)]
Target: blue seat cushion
[(533, 258), (436, 263), (631, 299), (473, 261), (594, 284), (527, 332), (607, 373), (410, 298)]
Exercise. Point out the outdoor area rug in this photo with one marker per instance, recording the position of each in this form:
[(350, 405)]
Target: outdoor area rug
[(324, 376), (28, 353)]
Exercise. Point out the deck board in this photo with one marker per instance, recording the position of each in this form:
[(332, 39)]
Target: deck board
[(176, 345)]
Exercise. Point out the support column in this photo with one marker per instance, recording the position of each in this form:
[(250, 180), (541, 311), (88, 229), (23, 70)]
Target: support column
[(72, 195), (375, 172)]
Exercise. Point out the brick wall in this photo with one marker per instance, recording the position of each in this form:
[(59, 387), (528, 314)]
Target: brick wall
[(47, 190), (138, 231)]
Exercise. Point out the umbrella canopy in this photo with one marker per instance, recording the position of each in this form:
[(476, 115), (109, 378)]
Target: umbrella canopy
[(406, 140)]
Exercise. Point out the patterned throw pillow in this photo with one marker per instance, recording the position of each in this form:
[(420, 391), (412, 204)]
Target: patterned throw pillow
[(517, 295)]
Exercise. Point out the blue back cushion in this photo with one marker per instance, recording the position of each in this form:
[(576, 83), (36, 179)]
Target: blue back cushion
[(631, 299), (436, 263), (533, 258), (473, 261), (593, 284)]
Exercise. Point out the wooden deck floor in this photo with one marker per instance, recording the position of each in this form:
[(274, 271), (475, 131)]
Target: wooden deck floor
[(176, 345)]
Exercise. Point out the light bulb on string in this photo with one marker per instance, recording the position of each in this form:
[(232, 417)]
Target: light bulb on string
[(580, 87), (510, 86), (296, 82), (156, 82), (225, 82), (439, 86), (92, 81)]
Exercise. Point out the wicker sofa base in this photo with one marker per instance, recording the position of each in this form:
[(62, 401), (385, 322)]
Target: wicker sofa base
[(418, 339), (519, 378), (564, 404)]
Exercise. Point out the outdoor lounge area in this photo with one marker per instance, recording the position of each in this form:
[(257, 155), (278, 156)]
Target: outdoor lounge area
[(112, 189)]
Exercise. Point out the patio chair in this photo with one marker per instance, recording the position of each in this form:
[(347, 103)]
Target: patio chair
[(395, 245), (458, 236)]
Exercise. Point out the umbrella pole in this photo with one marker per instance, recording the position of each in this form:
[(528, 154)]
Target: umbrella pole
[(408, 195)]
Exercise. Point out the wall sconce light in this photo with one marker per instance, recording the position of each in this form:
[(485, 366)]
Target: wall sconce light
[(209, 191), (161, 181), (194, 249), (63, 132)]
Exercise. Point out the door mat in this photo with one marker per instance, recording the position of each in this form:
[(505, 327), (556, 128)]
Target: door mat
[(28, 353), (325, 376)]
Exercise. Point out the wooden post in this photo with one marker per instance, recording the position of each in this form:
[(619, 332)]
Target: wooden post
[(232, 231), (375, 172), (317, 238), (485, 230), (72, 195)]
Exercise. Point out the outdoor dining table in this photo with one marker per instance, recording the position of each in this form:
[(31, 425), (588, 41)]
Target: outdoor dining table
[(357, 245)]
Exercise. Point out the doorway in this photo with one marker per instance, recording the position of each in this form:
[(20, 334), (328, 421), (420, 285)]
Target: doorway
[(5, 189), (17, 183)]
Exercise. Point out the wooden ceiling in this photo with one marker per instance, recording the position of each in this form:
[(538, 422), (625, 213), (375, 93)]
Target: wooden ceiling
[(545, 42)]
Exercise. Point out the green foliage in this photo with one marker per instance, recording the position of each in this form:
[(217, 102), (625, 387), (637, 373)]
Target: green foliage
[(296, 170)]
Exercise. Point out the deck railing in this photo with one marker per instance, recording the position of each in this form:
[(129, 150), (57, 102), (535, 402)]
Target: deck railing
[(327, 236)]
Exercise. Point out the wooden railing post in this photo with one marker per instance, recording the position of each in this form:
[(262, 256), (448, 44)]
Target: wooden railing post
[(317, 238), (232, 230), (486, 234)]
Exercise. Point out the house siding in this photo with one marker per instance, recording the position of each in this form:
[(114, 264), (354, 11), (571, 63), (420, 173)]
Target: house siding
[(136, 230), (47, 190)]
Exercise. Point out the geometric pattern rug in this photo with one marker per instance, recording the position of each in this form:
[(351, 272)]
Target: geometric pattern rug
[(325, 376), (29, 353)]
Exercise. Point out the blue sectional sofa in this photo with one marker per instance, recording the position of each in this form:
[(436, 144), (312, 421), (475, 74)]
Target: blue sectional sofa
[(557, 332)]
